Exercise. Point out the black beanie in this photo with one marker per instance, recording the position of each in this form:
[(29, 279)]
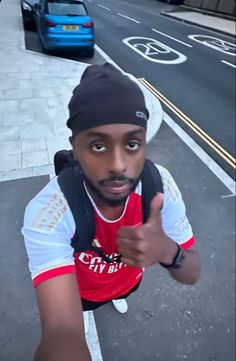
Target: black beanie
[(106, 96)]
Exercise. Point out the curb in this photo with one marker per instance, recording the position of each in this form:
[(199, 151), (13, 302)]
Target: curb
[(209, 12), (198, 25)]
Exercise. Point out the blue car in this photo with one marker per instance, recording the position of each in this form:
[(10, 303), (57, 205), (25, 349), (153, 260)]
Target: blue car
[(64, 24)]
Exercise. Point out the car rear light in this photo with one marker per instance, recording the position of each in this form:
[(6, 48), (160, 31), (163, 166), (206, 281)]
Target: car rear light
[(48, 24), (88, 25)]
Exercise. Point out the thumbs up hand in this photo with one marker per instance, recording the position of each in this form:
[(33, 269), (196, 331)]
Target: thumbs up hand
[(148, 244)]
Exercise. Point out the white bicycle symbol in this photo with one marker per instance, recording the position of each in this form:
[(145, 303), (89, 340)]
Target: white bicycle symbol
[(215, 43)]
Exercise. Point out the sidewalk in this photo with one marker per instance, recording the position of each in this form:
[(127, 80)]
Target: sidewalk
[(205, 20), (34, 93), (35, 90)]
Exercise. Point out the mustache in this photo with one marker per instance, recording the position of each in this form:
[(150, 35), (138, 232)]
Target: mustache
[(120, 178)]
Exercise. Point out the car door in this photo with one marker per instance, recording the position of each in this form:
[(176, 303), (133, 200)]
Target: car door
[(38, 8)]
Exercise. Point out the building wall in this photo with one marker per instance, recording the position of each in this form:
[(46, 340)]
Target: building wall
[(222, 6)]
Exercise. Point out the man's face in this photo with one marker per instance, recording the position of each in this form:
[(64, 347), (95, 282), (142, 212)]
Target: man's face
[(111, 157)]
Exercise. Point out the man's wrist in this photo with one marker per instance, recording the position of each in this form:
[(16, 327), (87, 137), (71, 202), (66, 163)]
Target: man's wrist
[(175, 261), (170, 251)]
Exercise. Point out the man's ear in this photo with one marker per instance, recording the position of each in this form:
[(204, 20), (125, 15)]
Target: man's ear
[(72, 142)]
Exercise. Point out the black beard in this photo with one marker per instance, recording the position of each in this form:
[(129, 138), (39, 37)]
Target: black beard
[(110, 202)]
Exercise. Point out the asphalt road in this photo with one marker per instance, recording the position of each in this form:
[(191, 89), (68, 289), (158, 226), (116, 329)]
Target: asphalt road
[(166, 321), (187, 65), (190, 74)]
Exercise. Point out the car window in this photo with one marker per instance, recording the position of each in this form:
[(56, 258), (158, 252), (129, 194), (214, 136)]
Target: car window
[(63, 7)]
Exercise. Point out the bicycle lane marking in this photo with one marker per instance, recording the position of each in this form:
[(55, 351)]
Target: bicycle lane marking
[(215, 43), (153, 50)]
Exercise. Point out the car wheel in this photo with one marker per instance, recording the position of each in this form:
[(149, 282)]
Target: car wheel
[(45, 50), (90, 52)]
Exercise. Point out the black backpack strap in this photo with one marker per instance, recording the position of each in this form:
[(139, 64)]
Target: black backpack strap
[(63, 159), (151, 185), (71, 183)]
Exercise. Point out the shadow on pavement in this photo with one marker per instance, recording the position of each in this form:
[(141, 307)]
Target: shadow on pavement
[(19, 319)]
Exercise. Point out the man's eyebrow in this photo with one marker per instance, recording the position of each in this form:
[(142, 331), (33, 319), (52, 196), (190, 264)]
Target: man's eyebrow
[(97, 134), (130, 133)]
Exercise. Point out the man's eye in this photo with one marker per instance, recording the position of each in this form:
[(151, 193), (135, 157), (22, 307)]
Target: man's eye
[(133, 146), (98, 148)]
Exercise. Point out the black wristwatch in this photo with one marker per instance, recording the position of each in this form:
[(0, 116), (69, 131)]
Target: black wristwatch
[(177, 261)]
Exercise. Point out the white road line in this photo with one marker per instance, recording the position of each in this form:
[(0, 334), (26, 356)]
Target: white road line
[(171, 37), (205, 158), (93, 340), (228, 196), (127, 17), (215, 43), (107, 57), (153, 47), (227, 63), (208, 161), (104, 7)]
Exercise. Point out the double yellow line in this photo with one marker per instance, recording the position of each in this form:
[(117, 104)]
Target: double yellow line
[(203, 135)]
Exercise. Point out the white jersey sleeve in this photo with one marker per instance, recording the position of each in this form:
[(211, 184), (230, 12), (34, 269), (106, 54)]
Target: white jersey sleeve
[(48, 228), (174, 220)]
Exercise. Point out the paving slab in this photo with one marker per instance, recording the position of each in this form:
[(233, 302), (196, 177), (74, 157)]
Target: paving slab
[(35, 90)]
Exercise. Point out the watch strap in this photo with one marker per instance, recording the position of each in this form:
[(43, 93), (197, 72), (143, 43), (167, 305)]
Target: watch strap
[(177, 260)]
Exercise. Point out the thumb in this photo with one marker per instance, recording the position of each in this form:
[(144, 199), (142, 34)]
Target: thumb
[(156, 206)]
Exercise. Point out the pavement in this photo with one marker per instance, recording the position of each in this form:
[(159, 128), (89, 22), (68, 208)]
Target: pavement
[(204, 19), (33, 102), (35, 90), (34, 93)]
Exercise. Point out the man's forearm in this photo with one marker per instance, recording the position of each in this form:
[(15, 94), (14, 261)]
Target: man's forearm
[(62, 346)]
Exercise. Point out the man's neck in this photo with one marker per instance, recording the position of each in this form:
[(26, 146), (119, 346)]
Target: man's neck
[(109, 212)]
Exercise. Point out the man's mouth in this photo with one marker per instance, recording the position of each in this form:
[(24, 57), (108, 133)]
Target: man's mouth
[(117, 187)]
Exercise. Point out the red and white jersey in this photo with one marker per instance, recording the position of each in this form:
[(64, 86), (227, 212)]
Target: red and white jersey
[(49, 227)]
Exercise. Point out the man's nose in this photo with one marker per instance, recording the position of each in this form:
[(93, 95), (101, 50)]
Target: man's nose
[(117, 162)]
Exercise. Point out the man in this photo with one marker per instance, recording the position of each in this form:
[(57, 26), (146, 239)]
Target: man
[(108, 120)]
